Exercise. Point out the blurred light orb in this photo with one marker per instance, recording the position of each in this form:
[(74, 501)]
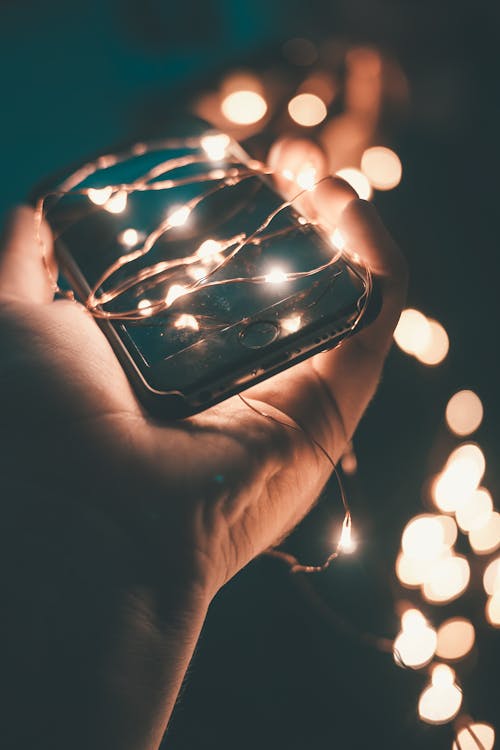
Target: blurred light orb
[(276, 276), (455, 638), (486, 539), (437, 348), (493, 610), (491, 577), (208, 249), (129, 237), (144, 306), (413, 332), (464, 413), (306, 178), (423, 537), (357, 180), (475, 736), (99, 196), (411, 571), (175, 291), (244, 107), (338, 240), (117, 203), (215, 146), (471, 455), (447, 580), (441, 701), (187, 321), (382, 167), (291, 324), (415, 645), (179, 216), (307, 110), (476, 510)]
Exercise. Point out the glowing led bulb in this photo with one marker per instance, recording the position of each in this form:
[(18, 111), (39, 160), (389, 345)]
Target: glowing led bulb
[(306, 178), (464, 412), (175, 291), (99, 196), (291, 324), (276, 276), (307, 109), (117, 203), (357, 181), (208, 249), (441, 701), (475, 736), (347, 544), (215, 146), (179, 216), (415, 645), (129, 237), (382, 167), (144, 306), (338, 240), (187, 321), (244, 107)]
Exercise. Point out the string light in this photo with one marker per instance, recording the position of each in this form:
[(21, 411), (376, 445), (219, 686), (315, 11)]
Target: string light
[(215, 146), (413, 332), (475, 512), (291, 324), (187, 321), (179, 216), (175, 291), (145, 307), (441, 701), (307, 110), (455, 638), (276, 276), (493, 610), (491, 577), (447, 580), (306, 178), (99, 196), (438, 346), (129, 237), (244, 107), (486, 539), (117, 203), (464, 413), (382, 167)]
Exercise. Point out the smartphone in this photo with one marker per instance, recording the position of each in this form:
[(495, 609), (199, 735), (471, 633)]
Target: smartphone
[(203, 279)]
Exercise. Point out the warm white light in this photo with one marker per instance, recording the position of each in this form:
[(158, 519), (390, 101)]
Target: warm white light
[(144, 307), (411, 571), (448, 578), (291, 324), (129, 237), (347, 544), (475, 511), (471, 456), (187, 321), (209, 250), (413, 331), (276, 276), (307, 109), (288, 174), (175, 291), (438, 346), (416, 643), (117, 203), (423, 537), (215, 146), (464, 412), (306, 178), (475, 736), (179, 216), (493, 610), (441, 701), (486, 539), (455, 638), (244, 107), (99, 196), (491, 577), (460, 478), (338, 240), (357, 181), (382, 167)]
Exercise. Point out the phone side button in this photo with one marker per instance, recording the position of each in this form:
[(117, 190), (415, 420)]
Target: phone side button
[(259, 334)]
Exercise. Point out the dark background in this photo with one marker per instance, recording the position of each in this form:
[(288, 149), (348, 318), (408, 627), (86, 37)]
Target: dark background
[(273, 670)]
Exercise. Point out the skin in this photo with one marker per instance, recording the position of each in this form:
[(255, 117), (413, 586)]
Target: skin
[(118, 530)]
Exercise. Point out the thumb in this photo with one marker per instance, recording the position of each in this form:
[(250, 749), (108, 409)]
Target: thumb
[(27, 264)]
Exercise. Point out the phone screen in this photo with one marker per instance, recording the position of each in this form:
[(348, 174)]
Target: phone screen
[(221, 249)]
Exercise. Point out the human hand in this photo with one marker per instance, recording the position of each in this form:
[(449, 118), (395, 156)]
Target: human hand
[(162, 514)]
